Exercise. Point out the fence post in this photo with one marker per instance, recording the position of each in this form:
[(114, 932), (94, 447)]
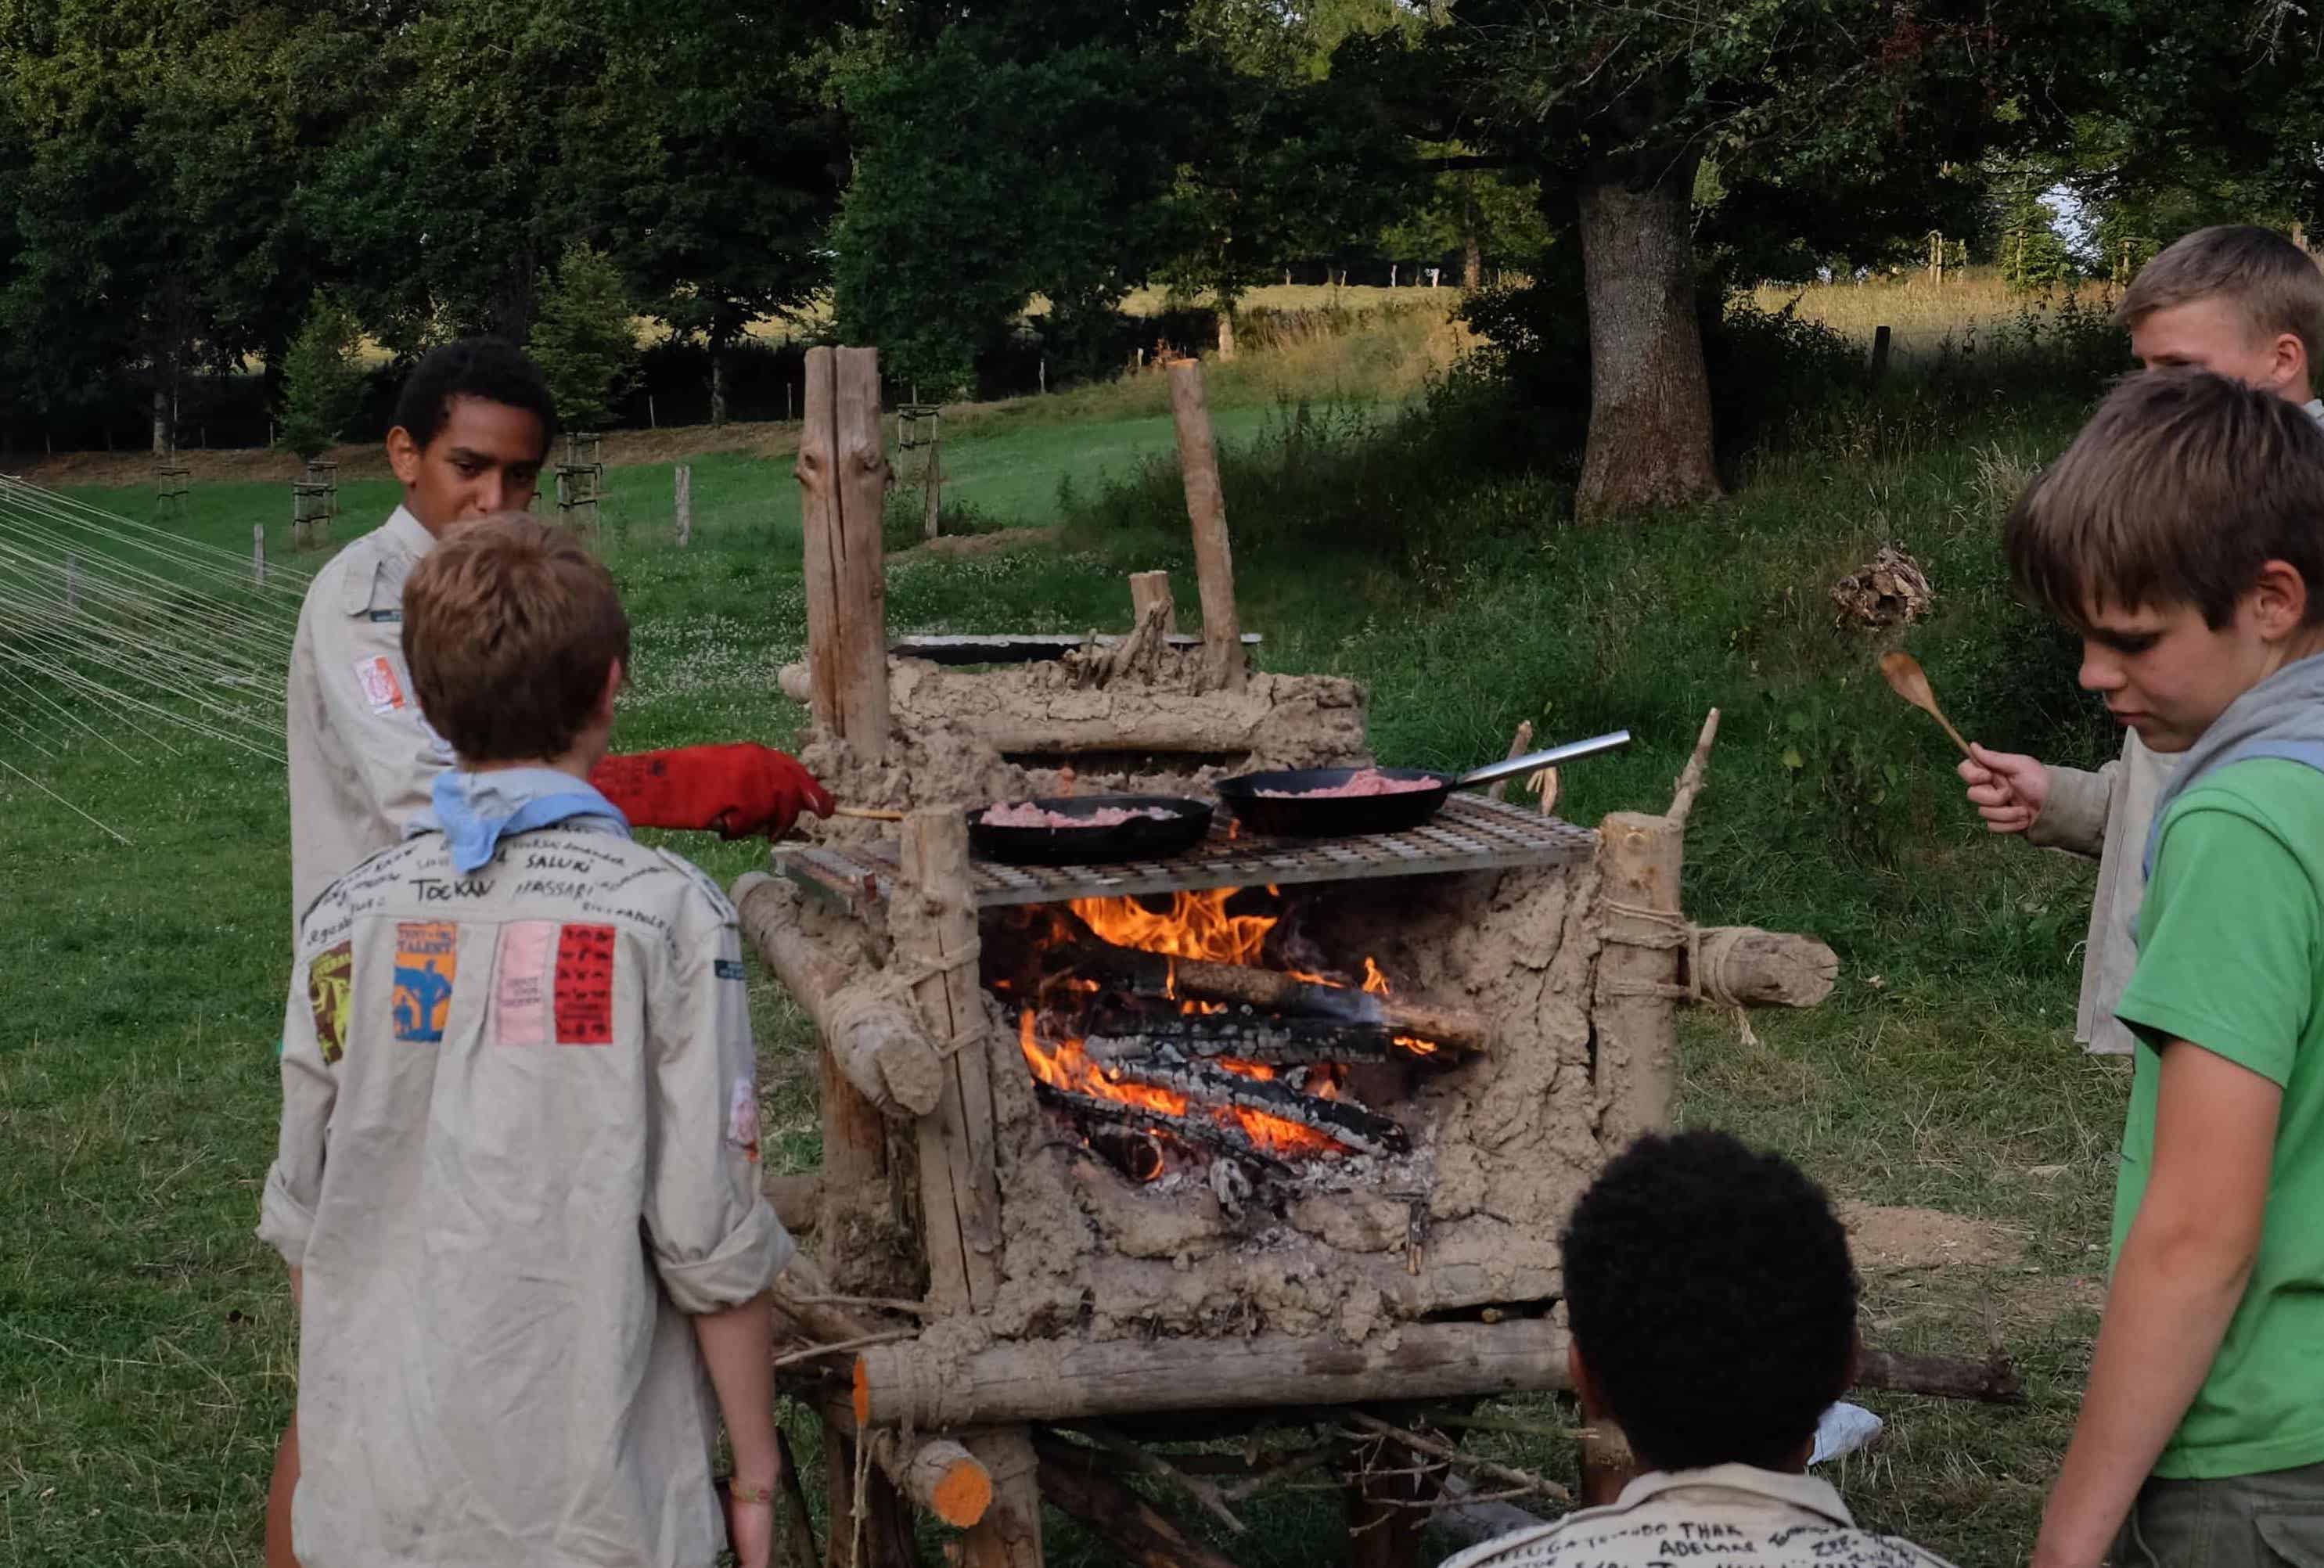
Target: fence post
[(1879, 354), (843, 471), (685, 504), (1206, 509), (932, 481), (72, 582), (258, 554)]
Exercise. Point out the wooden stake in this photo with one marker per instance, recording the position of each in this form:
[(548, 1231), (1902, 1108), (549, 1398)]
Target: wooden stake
[(258, 553), (1879, 354), (933, 920), (843, 472), (1206, 511), (932, 488), (684, 482), (1152, 588), (1636, 1009), (1008, 1536), (1499, 789), (72, 570)]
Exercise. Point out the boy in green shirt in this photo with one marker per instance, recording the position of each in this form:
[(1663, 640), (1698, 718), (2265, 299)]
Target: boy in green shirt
[(2182, 535)]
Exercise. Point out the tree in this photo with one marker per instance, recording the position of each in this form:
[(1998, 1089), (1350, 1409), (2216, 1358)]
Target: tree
[(586, 339), (1613, 105), (322, 378)]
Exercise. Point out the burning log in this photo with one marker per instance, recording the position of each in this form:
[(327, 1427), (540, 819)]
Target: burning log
[(1159, 975), (1217, 1135), (1120, 1035), (1342, 1122)]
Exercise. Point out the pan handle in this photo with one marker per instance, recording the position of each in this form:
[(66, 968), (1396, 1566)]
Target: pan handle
[(1533, 761)]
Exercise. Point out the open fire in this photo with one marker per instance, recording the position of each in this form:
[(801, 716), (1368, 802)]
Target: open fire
[(1183, 1036)]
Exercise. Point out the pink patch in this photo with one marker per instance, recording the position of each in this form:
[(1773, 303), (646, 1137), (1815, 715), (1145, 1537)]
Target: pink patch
[(521, 983)]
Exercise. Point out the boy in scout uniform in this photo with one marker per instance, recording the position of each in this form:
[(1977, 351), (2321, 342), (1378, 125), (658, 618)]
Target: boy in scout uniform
[(471, 428), (516, 1049)]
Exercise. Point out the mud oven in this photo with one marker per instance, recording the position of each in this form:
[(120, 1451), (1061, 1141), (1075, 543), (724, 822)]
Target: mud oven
[(1266, 1132)]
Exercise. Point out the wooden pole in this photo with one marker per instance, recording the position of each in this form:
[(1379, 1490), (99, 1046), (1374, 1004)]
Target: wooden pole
[(1636, 1009), (932, 484), (843, 471), (1879, 354), (1150, 588), (1206, 511), (258, 554), (684, 482), (72, 573)]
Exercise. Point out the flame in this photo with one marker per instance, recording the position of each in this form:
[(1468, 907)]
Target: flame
[(1196, 926)]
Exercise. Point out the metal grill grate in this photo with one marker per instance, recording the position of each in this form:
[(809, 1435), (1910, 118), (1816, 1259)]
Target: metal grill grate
[(1470, 833)]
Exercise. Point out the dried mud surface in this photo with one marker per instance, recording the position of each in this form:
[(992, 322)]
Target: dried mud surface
[(1885, 1239)]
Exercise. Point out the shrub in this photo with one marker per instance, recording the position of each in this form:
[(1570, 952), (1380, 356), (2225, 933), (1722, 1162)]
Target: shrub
[(586, 339), (322, 378)]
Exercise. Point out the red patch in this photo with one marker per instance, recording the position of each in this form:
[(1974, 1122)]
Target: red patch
[(584, 985)]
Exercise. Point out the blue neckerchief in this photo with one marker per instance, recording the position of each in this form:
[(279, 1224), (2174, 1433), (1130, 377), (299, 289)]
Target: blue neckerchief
[(476, 811), (2282, 717)]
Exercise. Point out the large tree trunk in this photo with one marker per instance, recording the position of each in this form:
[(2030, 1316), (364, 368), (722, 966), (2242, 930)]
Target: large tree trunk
[(1473, 263), (1649, 397)]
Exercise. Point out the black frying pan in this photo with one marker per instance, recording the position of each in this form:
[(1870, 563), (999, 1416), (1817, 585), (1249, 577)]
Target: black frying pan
[(1140, 838), (1293, 813)]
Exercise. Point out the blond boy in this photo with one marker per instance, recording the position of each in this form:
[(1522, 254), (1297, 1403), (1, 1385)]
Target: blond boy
[(2179, 537), (2243, 303), (517, 1183)]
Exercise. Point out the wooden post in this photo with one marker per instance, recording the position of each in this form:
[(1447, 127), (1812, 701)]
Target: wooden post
[(72, 582), (1148, 589), (1636, 1010), (1044, 374), (843, 472), (685, 481), (1206, 509), (932, 483), (258, 554), (933, 920), (1879, 354), (1226, 336)]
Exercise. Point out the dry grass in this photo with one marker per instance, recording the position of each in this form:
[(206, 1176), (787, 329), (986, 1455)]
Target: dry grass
[(1921, 315)]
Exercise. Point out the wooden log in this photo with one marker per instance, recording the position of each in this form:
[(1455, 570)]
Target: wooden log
[(1744, 966), (932, 919), (1119, 1036), (1270, 991), (1992, 1382), (1008, 1536), (1078, 1480), (881, 1048), (843, 471), (1345, 1122), (904, 1384), (1635, 1009), (1154, 588), (1206, 511)]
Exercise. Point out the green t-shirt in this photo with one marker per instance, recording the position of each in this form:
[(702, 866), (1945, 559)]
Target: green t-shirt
[(2231, 958)]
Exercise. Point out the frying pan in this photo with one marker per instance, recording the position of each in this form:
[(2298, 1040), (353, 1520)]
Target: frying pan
[(1138, 838), (1293, 813)]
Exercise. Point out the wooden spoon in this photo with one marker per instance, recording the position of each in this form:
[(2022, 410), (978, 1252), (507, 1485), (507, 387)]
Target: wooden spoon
[(1908, 680), (868, 813)]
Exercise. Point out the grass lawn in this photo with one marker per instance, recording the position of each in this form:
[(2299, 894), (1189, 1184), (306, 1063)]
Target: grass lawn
[(146, 1345)]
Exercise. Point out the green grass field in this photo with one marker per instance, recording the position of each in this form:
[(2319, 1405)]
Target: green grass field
[(146, 1343)]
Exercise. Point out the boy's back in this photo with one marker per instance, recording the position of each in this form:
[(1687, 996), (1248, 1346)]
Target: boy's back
[(534, 1084)]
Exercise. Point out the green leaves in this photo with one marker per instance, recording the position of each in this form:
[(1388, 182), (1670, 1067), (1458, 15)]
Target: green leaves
[(586, 340)]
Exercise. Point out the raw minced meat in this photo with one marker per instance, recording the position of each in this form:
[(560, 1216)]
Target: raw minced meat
[(1367, 782), (1026, 814)]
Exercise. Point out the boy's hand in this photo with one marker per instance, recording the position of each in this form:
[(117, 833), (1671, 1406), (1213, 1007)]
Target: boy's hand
[(750, 1530), (740, 789), (2009, 788)]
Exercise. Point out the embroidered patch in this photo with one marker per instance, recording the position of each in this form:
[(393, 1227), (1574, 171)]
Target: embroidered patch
[(726, 968), (742, 1118), (584, 985), (382, 687), (521, 983), (330, 993), (427, 962)]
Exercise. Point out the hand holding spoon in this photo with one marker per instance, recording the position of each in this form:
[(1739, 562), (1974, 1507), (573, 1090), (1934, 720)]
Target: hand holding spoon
[(1908, 680)]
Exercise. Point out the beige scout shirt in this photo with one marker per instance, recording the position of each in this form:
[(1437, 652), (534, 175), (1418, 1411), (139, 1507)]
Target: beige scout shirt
[(2106, 815), (519, 1145), (1729, 1513), (361, 755)]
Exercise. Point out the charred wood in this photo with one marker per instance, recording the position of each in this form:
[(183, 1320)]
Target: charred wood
[(1199, 1131), (1341, 1121), (1119, 1034)]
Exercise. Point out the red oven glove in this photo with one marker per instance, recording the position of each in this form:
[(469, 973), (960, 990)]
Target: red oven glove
[(740, 789)]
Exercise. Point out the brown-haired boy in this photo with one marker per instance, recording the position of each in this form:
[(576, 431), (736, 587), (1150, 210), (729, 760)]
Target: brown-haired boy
[(2240, 301), (2179, 536), (516, 1047)]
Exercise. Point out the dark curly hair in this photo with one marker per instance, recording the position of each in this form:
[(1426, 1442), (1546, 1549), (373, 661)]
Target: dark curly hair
[(1712, 1296), (489, 368)]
